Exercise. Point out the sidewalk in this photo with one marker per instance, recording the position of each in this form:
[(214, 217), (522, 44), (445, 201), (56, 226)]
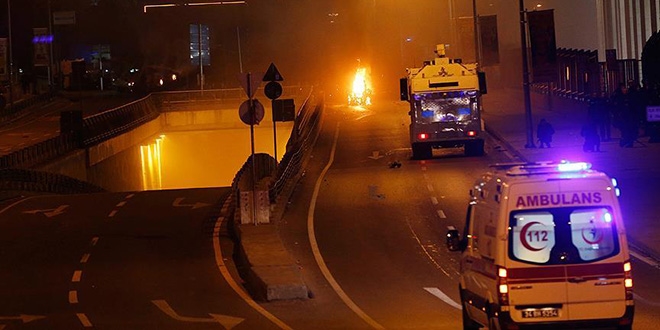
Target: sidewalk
[(504, 116)]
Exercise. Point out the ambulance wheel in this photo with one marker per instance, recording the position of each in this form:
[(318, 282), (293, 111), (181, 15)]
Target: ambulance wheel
[(468, 323), (421, 151), (493, 323), (474, 148)]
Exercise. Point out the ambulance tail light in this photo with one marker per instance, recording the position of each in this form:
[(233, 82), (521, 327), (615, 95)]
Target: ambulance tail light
[(423, 136), (502, 286), (627, 280)]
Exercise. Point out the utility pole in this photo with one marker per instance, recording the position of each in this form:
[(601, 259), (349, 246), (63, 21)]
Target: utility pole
[(50, 60), (477, 45), (525, 67), (11, 57)]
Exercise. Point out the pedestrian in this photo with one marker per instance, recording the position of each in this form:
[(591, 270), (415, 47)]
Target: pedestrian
[(625, 118), (599, 111), (544, 132), (589, 132)]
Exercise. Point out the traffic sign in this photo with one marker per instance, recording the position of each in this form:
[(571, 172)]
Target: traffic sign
[(273, 90), (246, 116), (273, 74), (284, 110), (253, 83)]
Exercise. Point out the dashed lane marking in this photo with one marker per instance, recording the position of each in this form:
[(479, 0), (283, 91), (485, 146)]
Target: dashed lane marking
[(112, 214), (84, 320), (434, 201), (77, 275), (73, 297), (441, 214), (84, 258)]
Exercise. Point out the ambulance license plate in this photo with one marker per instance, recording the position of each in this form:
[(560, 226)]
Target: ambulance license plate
[(543, 312)]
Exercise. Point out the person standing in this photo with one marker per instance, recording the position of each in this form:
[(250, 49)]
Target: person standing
[(625, 118), (544, 132), (590, 134)]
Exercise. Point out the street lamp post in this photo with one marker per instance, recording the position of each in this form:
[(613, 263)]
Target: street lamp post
[(11, 56), (525, 67)]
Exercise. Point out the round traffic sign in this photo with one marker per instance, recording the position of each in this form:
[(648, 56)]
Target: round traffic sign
[(273, 90), (249, 118)]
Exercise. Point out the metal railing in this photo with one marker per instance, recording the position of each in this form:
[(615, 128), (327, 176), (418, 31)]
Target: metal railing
[(300, 142), (30, 180), (114, 122)]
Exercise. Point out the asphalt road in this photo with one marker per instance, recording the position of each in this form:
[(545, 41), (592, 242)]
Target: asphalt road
[(144, 260), (371, 245), (368, 238)]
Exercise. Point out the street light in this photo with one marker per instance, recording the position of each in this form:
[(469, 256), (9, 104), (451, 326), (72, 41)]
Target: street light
[(11, 56), (212, 3), (525, 60)]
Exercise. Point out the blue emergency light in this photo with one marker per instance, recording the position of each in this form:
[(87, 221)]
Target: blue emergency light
[(566, 166)]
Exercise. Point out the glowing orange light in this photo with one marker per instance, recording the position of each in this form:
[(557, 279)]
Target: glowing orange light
[(361, 89)]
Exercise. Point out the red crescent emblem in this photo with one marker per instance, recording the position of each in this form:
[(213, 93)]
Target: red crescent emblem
[(523, 235), (597, 233)]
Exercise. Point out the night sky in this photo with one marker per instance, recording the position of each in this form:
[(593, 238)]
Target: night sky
[(305, 39)]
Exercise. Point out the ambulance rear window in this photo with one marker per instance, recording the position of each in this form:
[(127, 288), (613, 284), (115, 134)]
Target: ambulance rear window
[(562, 235)]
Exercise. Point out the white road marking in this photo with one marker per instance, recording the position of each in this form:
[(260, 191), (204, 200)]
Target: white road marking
[(219, 261), (94, 241), (426, 177), (122, 203), (77, 275), (84, 320), (437, 265), (177, 203), (112, 214), (434, 200), (129, 196), (429, 187), (315, 248), (442, 296), (227, 322), (73, 297), (644, 259), (84, 258), (441, 214)]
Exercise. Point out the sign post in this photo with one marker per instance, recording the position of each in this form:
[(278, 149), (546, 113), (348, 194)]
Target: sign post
[(200, 53), (273, 90), (251, 112)]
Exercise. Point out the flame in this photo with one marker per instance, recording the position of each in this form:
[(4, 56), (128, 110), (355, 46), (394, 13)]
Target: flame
[(361, 92)]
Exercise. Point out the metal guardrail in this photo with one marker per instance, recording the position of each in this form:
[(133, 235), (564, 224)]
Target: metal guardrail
[(30, 180), (300, 142), (12, 112), (114, 122), (43, 151)]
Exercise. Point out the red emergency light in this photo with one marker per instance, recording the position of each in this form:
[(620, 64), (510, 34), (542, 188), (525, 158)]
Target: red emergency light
[(423, 136), (472, 133)]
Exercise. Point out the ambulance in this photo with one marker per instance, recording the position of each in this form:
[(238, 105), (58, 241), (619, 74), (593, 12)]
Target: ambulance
[(544, 247)]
